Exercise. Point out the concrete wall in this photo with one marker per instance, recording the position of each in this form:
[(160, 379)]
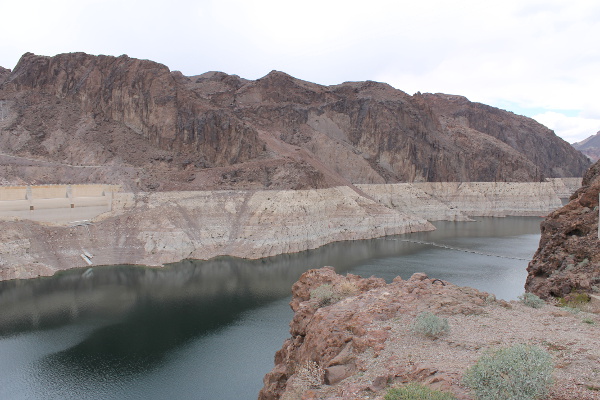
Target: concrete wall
[(49, 192), (56, 203), (8, 193)]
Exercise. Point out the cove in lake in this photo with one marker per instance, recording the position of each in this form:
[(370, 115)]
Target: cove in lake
[(210, 329)]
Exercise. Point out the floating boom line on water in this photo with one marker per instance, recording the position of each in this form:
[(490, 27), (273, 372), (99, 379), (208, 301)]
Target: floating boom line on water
[(443, 246)]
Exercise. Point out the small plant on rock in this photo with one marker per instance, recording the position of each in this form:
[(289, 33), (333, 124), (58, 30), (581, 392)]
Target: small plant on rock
[(531, 300), (577, 300), (416, 391), (346, 288), (308, 376), (430, 325), (324, 294), (520, 372), (588, 320)]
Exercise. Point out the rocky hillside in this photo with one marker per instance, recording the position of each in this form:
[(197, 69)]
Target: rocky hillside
[(134, 122), (590, 147), (351, 338), (568, 258)]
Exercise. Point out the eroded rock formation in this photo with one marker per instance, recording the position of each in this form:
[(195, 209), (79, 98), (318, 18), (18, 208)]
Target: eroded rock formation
[(568, 258), (154, 228), (135, 123)]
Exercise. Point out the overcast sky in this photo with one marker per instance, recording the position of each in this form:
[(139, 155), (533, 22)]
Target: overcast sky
[(539, 58)]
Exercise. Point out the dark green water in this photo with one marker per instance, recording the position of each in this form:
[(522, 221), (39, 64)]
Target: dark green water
[(209, 330)]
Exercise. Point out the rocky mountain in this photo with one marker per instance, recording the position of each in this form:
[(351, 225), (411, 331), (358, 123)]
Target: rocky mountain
[(568, 258), (134, 122), (590, 147)]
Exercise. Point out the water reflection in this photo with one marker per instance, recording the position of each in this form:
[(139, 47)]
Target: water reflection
[(109, 328)]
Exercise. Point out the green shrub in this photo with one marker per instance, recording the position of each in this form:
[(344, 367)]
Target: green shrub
[(574, 300), (531, 300), (588, 320), (520, 372), (430, 325), (324, 295), (416, 391)]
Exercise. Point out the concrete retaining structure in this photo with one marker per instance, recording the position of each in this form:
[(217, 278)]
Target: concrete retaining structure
[(55, 203)]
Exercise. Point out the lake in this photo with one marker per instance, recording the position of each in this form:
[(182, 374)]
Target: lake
[(210, 329)]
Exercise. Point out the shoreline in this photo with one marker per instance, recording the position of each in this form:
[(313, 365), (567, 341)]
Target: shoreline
[(155, 229)]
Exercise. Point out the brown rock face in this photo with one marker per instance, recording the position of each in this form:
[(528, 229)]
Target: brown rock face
[(361, 342), (160, 130), (568, 258), (3, 74), (524, 135)]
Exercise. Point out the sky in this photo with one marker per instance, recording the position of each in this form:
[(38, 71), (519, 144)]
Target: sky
[(538, 58)]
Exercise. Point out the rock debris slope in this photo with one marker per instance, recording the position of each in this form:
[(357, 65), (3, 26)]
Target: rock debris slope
[(135, 122)]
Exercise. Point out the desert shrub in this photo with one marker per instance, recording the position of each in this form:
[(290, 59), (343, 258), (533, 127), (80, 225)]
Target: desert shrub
[(416, 391), (308, 376), (531, 300), (520, 372), (327, 294), (346, 288), (324, 295), (490, 299), (430, 325), (574, 300), (588, 320)]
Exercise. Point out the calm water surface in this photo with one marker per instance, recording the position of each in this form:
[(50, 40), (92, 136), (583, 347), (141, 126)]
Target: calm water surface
[(209, 330)]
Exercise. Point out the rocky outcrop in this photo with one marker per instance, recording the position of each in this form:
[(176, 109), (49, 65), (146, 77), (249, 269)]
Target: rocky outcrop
[(351, 338), (133, 122), (590, 147), (568, 258)]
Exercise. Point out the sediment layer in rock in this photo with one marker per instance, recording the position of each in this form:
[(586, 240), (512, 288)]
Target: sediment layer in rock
[(158, 228), (162, 227)]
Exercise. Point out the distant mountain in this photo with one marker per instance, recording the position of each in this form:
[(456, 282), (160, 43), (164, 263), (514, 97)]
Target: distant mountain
[(77, 118), (590, 147)]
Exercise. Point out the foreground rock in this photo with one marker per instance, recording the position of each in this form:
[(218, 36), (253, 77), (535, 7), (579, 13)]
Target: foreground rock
[(568, 258), (362, 344)]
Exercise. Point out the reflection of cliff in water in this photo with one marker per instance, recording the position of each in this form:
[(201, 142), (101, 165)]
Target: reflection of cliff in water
[(115, 292)]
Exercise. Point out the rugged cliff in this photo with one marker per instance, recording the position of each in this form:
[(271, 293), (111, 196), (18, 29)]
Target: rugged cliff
[(351, 338), (568, 258), (134, 122)]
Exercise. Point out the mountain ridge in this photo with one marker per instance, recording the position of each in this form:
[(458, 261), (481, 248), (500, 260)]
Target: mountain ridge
[(161, 130)]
